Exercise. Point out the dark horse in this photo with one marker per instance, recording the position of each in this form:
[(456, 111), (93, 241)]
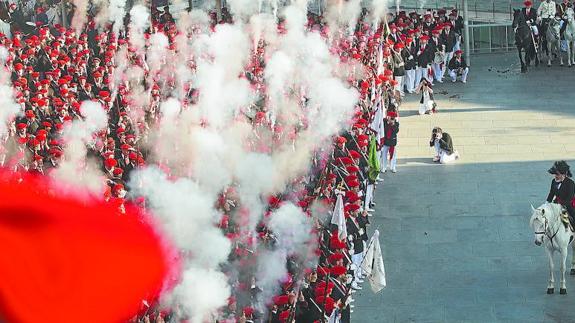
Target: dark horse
[(524, 40)]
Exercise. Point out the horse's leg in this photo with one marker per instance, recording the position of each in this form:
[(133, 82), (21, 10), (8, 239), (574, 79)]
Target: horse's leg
[(568, 52), (523, 68), (559, 53), (573, 258), (551, 283), (549, 54), (563, 288)]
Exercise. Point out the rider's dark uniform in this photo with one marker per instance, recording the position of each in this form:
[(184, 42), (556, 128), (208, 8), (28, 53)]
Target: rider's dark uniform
[(563, 192), (531, 16)]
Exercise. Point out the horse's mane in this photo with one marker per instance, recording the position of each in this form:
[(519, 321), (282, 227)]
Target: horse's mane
[(555, 208)]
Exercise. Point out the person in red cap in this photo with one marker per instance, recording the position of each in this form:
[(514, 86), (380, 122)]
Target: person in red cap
[(424, 56), (449, 39), (398, 66), (530, 15), (458, 67), (389, 141), (409, 53), (438, 54)]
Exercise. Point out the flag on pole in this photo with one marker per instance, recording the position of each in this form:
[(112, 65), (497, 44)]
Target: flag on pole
[(373, 161), (338, 218), (373, 264)]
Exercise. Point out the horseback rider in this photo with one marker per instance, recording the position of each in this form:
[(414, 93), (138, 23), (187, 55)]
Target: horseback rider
[(530, 16), (546, 11), (562, 12), (562, 188)]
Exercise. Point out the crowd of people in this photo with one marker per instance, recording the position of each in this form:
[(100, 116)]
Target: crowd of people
[(54, 69)]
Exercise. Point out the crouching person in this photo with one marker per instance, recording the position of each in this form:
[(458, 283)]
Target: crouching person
[(443, 144), (458, 67)]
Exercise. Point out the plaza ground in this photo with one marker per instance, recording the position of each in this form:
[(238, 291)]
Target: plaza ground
[(455, 238)]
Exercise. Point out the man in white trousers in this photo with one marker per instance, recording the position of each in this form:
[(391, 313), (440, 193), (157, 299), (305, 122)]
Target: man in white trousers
[(438, 55), (424, 57), (458, 67), (408, 54), (389, 141), (449, 40)]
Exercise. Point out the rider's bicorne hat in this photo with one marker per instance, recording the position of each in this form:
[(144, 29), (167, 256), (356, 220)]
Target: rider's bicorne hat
[(560, 167)]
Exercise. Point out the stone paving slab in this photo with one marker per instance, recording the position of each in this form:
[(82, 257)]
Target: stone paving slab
[(455, 238)]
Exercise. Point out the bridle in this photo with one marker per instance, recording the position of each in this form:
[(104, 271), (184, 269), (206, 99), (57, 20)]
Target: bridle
[(545, 231)]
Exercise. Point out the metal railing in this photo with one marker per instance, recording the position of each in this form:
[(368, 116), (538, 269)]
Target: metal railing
[(491, 38)]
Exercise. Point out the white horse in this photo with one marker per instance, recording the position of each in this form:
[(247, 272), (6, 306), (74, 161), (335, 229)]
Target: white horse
[(554, 40), (570, 36), (549, 231)]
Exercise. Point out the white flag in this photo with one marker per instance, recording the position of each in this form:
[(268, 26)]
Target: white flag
[(338, 218), (367, 262), (334, 317), (377, 277), (373, 264)]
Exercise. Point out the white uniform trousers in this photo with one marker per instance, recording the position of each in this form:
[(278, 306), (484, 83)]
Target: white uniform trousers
[(368, 195), (444, 156), (385, 157), (437, 71), (356, 260), (422, 72), (399, 85), (453, 74), (448, 57), (409, 80)]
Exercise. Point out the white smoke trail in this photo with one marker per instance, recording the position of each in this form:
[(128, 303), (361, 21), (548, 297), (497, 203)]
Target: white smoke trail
[(380, 8), (116, 13), (139, 21), (186, 212), (80, 15), (211, 146), (75, 171), (8, 107)]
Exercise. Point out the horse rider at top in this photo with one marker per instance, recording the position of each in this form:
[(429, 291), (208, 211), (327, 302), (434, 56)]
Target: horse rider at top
[(562, 12), (530, 16), (546, 11), (562, 188)]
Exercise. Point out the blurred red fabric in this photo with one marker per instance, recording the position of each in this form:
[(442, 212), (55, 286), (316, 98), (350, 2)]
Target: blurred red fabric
[(66, 260)]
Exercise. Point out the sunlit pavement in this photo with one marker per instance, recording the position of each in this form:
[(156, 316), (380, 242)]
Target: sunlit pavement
[(456, 241)]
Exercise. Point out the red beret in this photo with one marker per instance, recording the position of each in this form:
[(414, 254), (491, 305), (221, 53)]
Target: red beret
[(281, 300), (338, 271), (392, 114), (354, 154), (345, 160), (284, 316), (336, 244), (117, 187), (351, 207), (118, 171), (21, 126), (328, 301), (353, 184), (335, 257), (341, 140), (110, 162), (352, 169)]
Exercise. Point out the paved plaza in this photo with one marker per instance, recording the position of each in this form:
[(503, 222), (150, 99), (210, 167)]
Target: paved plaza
[(455, 238)]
